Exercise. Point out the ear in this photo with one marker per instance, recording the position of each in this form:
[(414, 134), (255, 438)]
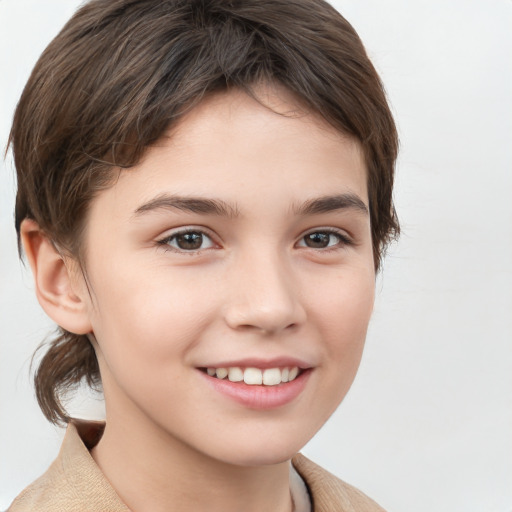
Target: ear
[(55, 282)]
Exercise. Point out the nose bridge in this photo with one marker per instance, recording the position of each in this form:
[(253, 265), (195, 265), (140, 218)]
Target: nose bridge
[(263, 293)]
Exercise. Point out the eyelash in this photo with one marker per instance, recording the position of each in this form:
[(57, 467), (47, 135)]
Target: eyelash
[(343, 240), (165, 242)]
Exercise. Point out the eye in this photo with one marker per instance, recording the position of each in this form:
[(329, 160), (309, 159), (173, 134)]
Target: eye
[(188, 241), (323, 240)]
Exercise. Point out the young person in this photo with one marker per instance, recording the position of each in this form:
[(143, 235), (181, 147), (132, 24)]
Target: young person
[(204, 197)]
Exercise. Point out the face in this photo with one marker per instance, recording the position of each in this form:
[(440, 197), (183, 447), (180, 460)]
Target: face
[(240, 244)]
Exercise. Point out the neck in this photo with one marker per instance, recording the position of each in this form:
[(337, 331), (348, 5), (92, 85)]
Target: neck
[(149, 469)]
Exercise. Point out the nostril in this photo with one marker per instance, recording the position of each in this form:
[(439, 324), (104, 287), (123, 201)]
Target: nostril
[(265, 320), (265, 330)]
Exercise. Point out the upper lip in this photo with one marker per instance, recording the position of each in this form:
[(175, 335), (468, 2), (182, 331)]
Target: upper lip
[(262, 363)]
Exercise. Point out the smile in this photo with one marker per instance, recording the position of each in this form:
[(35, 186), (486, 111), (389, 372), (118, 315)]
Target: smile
[(256, 376), (258, 388)]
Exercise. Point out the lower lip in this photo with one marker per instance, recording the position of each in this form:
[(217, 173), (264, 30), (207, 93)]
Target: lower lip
[(260, 397)]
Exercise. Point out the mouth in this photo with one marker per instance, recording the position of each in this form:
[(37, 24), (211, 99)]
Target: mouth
[(258, 388), (255, 376)]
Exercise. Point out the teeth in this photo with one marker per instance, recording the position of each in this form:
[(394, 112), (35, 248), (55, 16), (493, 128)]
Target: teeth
[(235, 374), (293, 374), (255, 376), (221, 373), (272, 377)]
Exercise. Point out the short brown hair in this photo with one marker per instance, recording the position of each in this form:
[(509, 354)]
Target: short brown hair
[(122, 71)]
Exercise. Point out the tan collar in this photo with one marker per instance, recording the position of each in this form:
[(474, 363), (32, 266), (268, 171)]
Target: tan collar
[(75, 483), (91, 432)]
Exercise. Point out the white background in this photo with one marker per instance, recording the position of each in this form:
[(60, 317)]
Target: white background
[(427, 426)]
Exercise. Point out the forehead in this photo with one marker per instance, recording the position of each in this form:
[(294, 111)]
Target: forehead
[(232, 146), (272, 117)]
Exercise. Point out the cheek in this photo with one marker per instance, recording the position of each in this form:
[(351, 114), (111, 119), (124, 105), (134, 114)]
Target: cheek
[(342, 311), (149, 315), (145, 329)]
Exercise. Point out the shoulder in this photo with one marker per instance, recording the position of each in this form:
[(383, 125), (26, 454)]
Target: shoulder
[(329, 493), (73, 483)]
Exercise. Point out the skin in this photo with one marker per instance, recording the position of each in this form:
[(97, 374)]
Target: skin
[(156, 312)]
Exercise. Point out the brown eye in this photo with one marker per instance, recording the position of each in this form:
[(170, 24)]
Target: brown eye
[(321, 240), (188, 241)]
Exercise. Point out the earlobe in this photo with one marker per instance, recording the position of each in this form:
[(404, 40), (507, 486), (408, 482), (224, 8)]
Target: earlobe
[(54, 282)]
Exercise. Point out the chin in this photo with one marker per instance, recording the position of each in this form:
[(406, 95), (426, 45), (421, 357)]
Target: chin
[(261, 457), (263, 450)]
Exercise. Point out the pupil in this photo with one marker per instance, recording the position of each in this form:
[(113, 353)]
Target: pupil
[(317, 240), (190, 241)]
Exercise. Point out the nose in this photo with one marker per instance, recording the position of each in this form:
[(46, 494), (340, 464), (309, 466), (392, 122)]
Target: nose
[(263, 296)]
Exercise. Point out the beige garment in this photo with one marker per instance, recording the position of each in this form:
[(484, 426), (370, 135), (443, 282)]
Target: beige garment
[(74, 483)]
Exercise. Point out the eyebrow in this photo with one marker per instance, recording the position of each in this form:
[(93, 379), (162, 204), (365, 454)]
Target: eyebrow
[(189, 204), (326, 204)]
